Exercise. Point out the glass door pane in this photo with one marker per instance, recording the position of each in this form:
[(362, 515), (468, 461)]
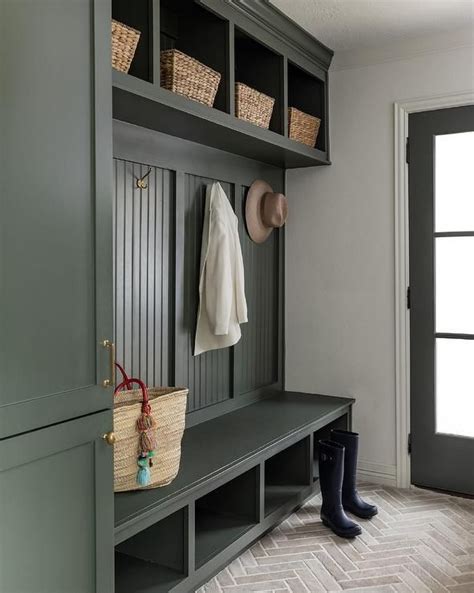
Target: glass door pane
[(454, 282), (454, 285), (454, 182), (455, 387)]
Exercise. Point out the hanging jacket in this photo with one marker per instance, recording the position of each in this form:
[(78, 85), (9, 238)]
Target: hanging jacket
[(222, 304)]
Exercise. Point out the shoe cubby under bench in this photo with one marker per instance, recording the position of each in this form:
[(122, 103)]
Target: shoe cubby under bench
[(241, 475)]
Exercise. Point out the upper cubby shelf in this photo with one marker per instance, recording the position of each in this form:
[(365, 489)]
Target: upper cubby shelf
[(260, 68), (308, 94), (242, 41), (197, 32), (139, 16)]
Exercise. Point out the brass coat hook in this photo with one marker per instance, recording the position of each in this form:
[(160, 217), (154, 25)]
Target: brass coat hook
[(141, 183)]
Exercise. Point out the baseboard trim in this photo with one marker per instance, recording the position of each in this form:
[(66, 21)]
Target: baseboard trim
[(377, 473)]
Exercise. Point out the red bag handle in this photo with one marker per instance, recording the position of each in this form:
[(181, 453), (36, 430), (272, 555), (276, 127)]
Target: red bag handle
[(146, 409), (125, 377)]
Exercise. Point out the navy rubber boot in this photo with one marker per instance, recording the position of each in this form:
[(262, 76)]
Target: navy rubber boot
[(331, 469), (351, 501)]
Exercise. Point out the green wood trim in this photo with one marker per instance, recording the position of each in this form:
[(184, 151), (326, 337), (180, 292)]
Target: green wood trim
[(190, 550), (231, 68), (104, 480), (327, 122), (180, 336), (261, 491), (37, 444), (155, 36), (285, 96), (281, 307), (37, 413), (132, 143), (103, 195)]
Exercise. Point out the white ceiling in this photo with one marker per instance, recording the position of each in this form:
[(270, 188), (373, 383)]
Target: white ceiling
[(357, 24)]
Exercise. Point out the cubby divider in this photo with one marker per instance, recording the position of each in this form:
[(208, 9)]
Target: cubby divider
[(287, 474)]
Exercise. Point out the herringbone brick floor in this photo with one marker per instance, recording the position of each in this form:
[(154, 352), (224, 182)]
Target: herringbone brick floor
[(420, 541)]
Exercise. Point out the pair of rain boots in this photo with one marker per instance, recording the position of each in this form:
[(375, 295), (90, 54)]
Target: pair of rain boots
[(337, 476)]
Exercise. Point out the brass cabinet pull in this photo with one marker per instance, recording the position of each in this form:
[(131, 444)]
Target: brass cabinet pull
[(109, 438), (111, 346)]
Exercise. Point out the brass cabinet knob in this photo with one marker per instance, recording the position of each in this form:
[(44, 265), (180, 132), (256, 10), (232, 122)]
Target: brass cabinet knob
[(109, 438)]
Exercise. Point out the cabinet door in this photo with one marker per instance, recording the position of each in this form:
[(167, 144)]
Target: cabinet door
[(56, 509), (55, 211)]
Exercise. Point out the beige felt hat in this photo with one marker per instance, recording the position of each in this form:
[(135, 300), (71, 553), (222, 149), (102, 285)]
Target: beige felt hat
[(265, 210)]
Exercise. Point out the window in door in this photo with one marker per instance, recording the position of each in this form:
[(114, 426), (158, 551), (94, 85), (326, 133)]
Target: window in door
[(454, 283)]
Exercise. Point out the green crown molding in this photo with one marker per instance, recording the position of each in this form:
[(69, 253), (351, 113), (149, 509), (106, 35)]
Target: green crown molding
[(277, 23)]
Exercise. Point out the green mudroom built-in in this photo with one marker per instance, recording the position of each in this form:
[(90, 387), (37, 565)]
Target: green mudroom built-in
[(103, 188)]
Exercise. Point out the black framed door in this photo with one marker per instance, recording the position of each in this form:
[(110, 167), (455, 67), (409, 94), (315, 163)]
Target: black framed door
[(441, 220)]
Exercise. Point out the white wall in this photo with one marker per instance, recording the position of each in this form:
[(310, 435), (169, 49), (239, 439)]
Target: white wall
[(340, 336)]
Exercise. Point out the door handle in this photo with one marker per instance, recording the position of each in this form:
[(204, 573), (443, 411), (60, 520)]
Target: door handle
[(111, 347)]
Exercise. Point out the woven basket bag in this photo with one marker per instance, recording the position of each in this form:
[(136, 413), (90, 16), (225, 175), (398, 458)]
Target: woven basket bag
[(303, 127), (124, 44), (167, 406), (183, 75), (253, 106)]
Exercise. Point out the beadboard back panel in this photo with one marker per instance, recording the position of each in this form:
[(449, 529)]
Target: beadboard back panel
[(257, 352), (158, 233), (207, 375), (142, 239)]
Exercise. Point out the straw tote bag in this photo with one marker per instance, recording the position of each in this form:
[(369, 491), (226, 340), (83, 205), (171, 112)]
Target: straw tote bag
[(148, 426)]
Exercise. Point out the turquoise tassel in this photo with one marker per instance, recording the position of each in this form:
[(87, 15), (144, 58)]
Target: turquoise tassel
[(143, 476)]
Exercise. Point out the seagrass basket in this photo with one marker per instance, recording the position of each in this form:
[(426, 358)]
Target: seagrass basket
[(253, 106), (186, 76), (168, 407), (303, 127), (124, 44)]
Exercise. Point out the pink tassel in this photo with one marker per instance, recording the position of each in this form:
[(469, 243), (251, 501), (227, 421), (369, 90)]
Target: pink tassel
[(145, 422)]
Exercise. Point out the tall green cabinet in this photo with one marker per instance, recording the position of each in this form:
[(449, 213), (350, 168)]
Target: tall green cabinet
[(55, 297)]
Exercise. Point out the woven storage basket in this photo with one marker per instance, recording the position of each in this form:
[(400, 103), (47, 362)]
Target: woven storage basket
[(124, 44), (168, 408), (302, 127), (253, 106), (184, 75)]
